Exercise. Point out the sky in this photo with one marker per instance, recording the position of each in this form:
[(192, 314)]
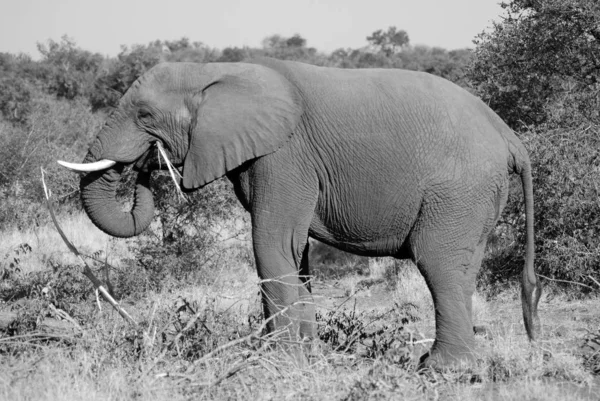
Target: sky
[(103, 26)]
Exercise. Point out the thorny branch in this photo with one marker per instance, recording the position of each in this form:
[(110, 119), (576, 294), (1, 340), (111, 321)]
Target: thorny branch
[(87, 271)]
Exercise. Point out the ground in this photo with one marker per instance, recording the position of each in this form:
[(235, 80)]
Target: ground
[(202, 340)]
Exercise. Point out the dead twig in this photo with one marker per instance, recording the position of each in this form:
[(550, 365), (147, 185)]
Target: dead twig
[(252, 336), (595, 281), (64, 316), (235, 369), (172, 170), (567, 281), (87, 271)]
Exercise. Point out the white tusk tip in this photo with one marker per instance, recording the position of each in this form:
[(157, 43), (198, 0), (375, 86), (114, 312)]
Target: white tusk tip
[(88, 167)]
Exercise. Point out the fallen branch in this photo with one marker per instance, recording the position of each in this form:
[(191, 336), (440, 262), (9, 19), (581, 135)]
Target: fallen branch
[(595, 281), (252, 336), (568, 282), (87, 271)]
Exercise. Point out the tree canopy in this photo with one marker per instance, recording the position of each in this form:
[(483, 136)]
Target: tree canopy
[(541, 62)]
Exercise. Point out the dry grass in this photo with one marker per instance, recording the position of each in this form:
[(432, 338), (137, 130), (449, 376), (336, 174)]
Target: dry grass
[(46, 245), (109, 362)]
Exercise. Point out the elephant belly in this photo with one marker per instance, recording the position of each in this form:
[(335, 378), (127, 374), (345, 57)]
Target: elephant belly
[(367, 226)]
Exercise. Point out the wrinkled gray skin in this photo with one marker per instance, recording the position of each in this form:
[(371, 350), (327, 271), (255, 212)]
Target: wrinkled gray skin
[(375, 162)]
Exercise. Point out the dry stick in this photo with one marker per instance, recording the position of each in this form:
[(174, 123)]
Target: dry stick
[(64, 315), (230, 372), (247, 338), (87, 271), (233, 371), (568, 282), (230, 344), (172, 170), (595, 281)]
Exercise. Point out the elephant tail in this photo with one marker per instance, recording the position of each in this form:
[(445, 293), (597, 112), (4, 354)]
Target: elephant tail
[(531, 286)]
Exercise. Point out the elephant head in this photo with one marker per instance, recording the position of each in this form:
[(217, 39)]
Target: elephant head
[(210, 118)]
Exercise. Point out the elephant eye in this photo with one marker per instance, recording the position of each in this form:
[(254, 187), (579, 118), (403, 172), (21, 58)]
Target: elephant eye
[(144, 115)]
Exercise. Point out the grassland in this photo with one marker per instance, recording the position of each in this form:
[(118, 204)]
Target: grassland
[(200, 337)]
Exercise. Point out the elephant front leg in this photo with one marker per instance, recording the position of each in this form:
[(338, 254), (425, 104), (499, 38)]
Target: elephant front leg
[(286, 298), (308, 324)]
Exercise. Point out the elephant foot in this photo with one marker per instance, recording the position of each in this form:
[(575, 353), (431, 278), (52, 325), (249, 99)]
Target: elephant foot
[(483, 331), (448, 363), (448, 359)]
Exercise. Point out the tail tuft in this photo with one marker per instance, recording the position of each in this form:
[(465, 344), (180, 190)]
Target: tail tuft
[(530, 297)]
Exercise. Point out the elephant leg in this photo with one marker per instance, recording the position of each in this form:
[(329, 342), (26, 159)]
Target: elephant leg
[(470, 282), (285, 296), (281, 215), (449, 257), (454, 342), (308, 325)]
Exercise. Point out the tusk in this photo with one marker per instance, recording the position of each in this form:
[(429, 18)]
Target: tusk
[(88, 167)]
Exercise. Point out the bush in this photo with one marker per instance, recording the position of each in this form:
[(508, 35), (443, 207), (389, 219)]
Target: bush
[(345, 331), (71, 71), (133, 62), (566, 174), (185, 245), (542, 54), (54, 129), (15, 99)]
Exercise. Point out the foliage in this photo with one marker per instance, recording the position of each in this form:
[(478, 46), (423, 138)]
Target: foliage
[(566, 167), (292, 48), (346, 331), (185, 248), (540, 54), (133, 62), (54, 129), (389, 42), (591, 348), (17, 87), (234, 54), (70, 71), (130, 64), (450, 65), (11, 265), (15, 98)]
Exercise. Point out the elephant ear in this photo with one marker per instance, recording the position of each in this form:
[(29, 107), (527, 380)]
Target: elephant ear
[(246, 111)]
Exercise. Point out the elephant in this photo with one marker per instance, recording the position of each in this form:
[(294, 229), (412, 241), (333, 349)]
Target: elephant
[(376, 162)]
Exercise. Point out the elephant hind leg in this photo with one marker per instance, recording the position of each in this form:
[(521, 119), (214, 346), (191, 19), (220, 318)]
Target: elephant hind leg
[(449, 257), (454, 343)]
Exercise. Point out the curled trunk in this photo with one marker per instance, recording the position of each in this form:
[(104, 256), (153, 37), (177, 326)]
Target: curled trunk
[(98, 194)]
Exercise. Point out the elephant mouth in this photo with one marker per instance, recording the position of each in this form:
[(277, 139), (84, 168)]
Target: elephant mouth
[(99, 192)]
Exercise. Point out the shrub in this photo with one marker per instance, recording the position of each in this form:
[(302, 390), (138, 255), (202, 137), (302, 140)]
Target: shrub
[(54, 129), (185, 245), (71, 71), (345, 330), (15, 98), (566, 172), (539, 54)]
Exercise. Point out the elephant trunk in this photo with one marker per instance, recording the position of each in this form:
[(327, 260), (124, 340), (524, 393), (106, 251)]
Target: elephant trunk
[(98, 194)]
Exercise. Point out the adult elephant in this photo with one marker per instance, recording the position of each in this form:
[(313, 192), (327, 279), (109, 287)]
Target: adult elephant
[(375, 162)]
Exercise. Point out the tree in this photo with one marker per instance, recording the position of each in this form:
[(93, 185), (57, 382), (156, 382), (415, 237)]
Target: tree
[(120, 74), (541, 62), (233, 54), (296, 41), (292, 48), (71, 71), (389, 42)]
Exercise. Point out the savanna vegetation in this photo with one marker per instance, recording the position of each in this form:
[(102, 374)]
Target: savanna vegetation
[(189, 281)]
